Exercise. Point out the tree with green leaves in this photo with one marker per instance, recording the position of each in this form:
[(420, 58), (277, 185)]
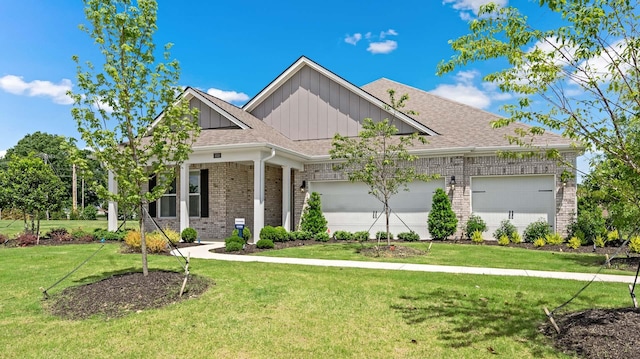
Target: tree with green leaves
[(312, 219), (581, 79), (379, 157), (116, 108), (442, 221), (30, 185)]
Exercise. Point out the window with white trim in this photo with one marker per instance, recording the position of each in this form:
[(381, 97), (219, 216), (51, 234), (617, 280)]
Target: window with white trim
[(194, 194), (168, 201)]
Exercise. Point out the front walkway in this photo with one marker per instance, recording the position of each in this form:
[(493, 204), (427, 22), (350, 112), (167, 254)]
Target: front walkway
[(203, 253)]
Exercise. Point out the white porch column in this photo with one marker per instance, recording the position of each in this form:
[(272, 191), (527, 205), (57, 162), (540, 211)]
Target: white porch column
[(286, 197), (258, 198), (112, 224), (184, 196)]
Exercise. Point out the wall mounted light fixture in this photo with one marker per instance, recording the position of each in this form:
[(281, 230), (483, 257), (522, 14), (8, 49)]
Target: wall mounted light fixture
[(452, 182), (303, 187)]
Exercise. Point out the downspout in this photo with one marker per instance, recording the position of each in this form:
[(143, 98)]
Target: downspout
[(262, 175)]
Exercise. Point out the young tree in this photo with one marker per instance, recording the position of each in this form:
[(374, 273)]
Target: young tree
[(31, 186), (312, 219), (379, 158), (442, 220), (116, 108), (586, 71)]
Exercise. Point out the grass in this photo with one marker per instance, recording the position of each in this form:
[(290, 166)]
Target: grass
[(11, 228), (458, 255), (259, 310)]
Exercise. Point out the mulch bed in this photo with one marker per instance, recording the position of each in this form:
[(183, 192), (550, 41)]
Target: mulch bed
[(122, 294)]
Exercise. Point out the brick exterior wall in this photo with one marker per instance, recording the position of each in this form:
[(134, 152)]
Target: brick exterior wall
[(463, 168)]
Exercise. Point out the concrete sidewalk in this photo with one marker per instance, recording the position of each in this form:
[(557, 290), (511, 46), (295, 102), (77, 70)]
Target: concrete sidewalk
[(203, 253)]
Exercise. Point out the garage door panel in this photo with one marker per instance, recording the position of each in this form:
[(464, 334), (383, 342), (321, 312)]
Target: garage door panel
[(520, 199), (348, 206)]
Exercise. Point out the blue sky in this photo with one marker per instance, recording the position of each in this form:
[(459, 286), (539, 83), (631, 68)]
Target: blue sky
[(234, 49)]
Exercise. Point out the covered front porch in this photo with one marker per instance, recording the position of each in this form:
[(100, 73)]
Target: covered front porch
[(217, 185)]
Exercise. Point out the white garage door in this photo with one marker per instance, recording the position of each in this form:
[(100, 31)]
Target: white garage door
[(348, 206), (520, 199)]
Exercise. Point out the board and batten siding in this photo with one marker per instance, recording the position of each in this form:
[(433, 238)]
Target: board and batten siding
[(209, 118), (311, 106)]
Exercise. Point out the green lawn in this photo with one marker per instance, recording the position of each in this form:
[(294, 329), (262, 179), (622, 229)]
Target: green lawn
[(459, 255), (259, 310), (11, 227)]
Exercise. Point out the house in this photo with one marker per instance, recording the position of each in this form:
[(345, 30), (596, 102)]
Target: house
[(259, 162)]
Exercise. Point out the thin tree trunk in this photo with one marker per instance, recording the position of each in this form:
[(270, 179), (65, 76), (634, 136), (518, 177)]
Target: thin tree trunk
[(143, 243), (386, 213)]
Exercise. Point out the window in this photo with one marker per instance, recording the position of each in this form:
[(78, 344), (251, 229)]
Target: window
[(168, 202), (194, 194)]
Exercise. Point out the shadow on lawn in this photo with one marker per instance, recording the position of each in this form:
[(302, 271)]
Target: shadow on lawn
[(105, 275), (470, 317)]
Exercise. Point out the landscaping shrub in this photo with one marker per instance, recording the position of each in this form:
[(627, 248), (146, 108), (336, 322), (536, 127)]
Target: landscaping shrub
[(539, 242), (322, 237), (383, 235), (234, 246), (599, 241), (132, 240), (265, 244), (156, 242), (361, 236), (442, 221), (312, 219), (554, 239), (343, 235), (516, 237), (634, 244), (506, 228), (613, 236), (476, 237), (27, 239), (89, 213), (59, 234), (275, 234), (574, 243), (246, 234), (300, 236), (74, 215), (504, 241), (173, 236), (109, 235), (189, 235), (234, 239), (475, 223), (588, 224), (535, 230), (410, 236), (83, 236)]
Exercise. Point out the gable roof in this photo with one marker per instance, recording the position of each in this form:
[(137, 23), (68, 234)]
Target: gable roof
[(304, 61)]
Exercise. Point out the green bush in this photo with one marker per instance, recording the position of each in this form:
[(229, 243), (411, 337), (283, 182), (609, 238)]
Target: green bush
[(599, 241), (322, 237), (233, 246), (361, 236), (506, 228), (343, 235), (613, 236), (234, 239), (539, 242), (535, 230), (80, 235), (74, 215), (246, 234), (554, 239), (312, 219), (265, 244), (634, 244), (189, 235), (504, 241), (442, 221), (574, 243), (516, 238), (274, 234), (588, 224), (300, 236), (109, 235), (475, 223), (383, 235), (410, 236), (89, 213), (476, 237)]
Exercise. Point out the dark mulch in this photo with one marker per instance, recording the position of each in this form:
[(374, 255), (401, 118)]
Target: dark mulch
[(126, 293), (598, 333)]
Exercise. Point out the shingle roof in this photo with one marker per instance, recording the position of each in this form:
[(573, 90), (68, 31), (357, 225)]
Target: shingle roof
[(462, 125)]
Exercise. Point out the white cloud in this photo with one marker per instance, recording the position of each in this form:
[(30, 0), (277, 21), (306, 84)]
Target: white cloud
[(229, 96), (390, 32), (3, 153), (465, 91), (57, 92), (353, 39), (469, 7), (383, 47)]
